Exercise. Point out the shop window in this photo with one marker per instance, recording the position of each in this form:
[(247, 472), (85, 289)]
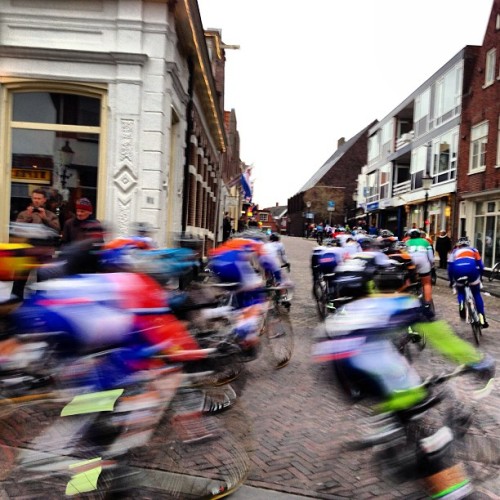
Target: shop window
[(55, 141)]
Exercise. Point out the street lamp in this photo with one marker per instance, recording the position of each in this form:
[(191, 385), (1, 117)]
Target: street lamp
[(355, 200), (306, 223), (66, 155), (426, 185)]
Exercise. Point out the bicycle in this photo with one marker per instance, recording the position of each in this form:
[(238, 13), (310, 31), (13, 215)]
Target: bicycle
[(471, 314), (277, 324), (495, 272)]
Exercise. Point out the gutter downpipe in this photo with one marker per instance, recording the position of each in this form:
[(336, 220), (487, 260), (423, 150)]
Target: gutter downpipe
[(189, 131)]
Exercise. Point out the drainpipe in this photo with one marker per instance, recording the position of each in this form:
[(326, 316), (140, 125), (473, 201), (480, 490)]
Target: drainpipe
[(218, 204), (189, 131)]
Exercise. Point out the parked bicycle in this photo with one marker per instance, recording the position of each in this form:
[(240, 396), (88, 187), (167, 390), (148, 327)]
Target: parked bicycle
[(471, 312), (495, 272)]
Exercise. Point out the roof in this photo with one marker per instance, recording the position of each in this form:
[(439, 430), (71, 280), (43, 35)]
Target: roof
[(322, 171), (276, 212)]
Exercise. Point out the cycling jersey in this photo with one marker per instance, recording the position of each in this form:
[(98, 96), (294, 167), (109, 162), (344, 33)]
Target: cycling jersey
[(422, 254)]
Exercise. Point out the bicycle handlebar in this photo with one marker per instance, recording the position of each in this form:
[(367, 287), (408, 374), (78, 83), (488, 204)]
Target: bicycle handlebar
[(434, 380)]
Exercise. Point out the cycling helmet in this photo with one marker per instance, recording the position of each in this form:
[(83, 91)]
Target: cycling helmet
[(385, 233), (274, 237), (463, 242), (366, 243), (414, 233)]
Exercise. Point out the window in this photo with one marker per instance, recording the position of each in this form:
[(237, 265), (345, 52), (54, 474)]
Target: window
[(490, 71), (387, 138), (371, 193), (448, 95), (422, 110), (498, 143), (479, 141), (55, 145), (374, 147), (263, 217), (384, 174), (444, 162), (418, 166)]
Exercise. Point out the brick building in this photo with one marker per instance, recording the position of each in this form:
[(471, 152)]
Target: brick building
[(478, 179), (334, 183)]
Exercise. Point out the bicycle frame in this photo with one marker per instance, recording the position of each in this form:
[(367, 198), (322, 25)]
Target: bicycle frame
[(472, 316)]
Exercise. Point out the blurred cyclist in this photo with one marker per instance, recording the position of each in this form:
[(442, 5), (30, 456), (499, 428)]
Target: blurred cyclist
[(422, 254), (465, 261)]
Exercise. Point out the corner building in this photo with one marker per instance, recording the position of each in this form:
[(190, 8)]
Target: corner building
[(114, 100)]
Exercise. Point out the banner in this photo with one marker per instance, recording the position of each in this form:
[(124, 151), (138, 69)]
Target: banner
[(245, 183)]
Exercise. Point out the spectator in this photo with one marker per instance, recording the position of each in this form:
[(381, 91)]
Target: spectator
[(36, 213), (443, 248), (76, 228), (226, 227)]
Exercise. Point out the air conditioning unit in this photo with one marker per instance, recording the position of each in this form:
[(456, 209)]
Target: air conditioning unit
[(406, 137)]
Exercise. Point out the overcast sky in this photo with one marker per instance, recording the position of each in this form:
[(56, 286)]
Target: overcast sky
[(310, 72)]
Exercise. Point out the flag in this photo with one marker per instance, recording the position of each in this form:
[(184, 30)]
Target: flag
[(246, 184)]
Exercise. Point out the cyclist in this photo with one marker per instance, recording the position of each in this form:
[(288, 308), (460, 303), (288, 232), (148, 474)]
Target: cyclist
[(271, 255), (422, 254), (465, 261)]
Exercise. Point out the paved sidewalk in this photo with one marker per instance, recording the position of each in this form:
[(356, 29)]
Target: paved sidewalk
[(491, 287)]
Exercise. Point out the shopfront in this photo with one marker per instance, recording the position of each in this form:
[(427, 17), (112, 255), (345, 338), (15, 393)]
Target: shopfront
[(53, 141), (486, 233)]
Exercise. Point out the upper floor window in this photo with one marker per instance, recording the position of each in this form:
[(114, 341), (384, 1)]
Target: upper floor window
[(418, 166), (385, 174), (387, 138), (490, 72), (371, 189), (445, 157), (498, 142), (479, 141), (422, 110), (263, 217), (448, 95), (374, 146)]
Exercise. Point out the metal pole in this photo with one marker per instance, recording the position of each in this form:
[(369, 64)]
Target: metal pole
[(426, 228)]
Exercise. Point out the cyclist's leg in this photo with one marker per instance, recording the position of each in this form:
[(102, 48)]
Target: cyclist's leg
[(476, 293), (461, 299)]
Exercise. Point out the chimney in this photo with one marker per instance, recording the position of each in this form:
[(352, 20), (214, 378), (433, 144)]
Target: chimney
[(277, 204), (340, 142)]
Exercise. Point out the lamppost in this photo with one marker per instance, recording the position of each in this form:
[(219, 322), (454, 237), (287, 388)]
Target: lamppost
[(426, 185), (306, 224), (355, 200)]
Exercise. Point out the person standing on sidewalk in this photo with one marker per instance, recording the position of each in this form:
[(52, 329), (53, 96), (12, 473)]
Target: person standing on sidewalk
[(443, 248)]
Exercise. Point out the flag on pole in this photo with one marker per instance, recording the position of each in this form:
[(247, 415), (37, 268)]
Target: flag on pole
[(246, 184)]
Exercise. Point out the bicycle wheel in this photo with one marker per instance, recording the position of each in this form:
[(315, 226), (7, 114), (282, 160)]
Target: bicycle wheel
[(320, 296), (495, 272), (474, 321), (279, 333)]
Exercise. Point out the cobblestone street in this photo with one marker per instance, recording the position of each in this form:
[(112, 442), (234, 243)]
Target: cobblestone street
[(299, 422), (289, 427)]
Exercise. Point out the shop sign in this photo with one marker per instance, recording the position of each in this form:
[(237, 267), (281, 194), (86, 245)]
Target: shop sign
[(32, 175), (372, 206)]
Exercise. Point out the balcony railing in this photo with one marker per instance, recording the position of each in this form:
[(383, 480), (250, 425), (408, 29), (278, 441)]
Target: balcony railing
[(401, 188)]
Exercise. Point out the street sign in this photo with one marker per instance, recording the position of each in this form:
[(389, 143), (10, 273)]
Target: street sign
[(331, 206)]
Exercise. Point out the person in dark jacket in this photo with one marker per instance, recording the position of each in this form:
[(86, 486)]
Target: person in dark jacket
[(76, 228), (443, 248)]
